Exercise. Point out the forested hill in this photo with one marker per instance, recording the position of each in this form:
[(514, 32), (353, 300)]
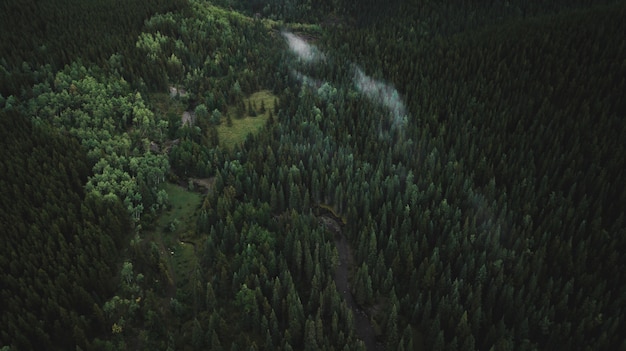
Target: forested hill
[(517, 156), (60, 32), (59, 248), (224, 177)]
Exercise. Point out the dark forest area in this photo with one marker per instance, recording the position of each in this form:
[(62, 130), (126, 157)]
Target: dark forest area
[(301, 175)]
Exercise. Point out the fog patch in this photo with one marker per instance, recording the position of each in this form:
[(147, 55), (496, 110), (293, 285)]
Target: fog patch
[(379, 92), (306, 80), (305, 51), (383, 94)]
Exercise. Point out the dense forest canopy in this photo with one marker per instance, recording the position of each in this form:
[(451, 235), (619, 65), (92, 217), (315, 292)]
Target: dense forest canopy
[(58, 244), (57, 33), (336, 175)]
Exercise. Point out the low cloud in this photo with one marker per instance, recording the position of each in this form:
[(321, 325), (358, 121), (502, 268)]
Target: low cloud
[(306, 80), (304, 50), (381, 93)]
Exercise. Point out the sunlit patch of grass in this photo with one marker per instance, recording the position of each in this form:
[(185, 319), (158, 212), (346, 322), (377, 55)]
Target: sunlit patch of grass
[(230, 136)]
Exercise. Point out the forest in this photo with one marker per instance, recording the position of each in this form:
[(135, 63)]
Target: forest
[(312, 175)]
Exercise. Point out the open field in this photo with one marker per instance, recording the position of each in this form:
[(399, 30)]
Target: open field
[(174, 233), (182, 211), (230, 136)]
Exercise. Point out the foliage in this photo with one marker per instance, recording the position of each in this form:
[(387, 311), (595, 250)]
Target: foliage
[(459, 167), (287, 11), (235, 132), (115, 127), (60, 245), (59, 32)]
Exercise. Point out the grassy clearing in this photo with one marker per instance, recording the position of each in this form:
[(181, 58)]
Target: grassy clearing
[(175, 230), (311, 28), (185, 264), (184, 204), (230, 136)]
